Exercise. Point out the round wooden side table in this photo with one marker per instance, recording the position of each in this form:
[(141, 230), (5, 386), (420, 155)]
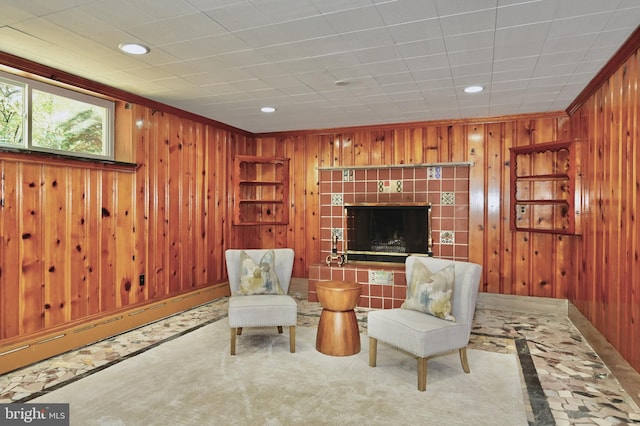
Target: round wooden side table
[(338, 332)]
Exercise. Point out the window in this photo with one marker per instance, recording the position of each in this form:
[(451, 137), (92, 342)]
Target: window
[(37, 116)]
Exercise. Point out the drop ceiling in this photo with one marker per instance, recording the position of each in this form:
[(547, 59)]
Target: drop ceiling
[(329, 63)]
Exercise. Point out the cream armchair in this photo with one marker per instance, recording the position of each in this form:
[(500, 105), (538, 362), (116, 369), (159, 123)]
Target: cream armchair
[(424, 335), (261, 310)]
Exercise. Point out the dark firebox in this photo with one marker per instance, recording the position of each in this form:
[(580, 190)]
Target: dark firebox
[(387, 233)]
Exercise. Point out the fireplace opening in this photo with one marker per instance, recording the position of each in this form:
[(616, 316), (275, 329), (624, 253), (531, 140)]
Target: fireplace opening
[(387, 232)]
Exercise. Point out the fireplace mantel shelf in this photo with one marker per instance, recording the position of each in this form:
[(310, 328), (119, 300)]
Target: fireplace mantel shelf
[(399, 166)]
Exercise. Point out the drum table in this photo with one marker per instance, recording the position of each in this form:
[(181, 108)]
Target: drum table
[(338, 332)]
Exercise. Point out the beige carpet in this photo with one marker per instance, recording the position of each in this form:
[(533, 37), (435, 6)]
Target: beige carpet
[(192, 380)]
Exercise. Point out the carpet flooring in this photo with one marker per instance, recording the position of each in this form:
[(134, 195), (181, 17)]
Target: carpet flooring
[(192, 379)]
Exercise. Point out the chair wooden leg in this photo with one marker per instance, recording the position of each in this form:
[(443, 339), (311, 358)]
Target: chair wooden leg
[(464, 360), (422, 374), (373, 351), (280, 329), (239, 331), (233, 341), (292, 339)]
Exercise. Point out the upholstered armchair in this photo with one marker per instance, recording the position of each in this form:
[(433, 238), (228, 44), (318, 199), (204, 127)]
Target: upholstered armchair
[(259, 281), (424, 327)]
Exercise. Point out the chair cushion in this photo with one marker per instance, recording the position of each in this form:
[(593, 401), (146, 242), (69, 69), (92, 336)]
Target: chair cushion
[(264, 310), (431, 293), (417, 333), (258, 278)]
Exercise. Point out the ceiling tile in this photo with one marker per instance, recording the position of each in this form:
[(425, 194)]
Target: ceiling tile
[(448, 7), (571, 8), (399, 12), (466, 42), (403, 59), (416, 30), (526, 13), (177, 29), (355, 19), (484, 20)]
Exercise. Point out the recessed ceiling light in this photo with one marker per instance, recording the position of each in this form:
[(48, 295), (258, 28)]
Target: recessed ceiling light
[(473, 89), (134, 48), (267, 109)]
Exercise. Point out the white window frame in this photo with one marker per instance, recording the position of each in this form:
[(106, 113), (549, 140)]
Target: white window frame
[(29, 85)]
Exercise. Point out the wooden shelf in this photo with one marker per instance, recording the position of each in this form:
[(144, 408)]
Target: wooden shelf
[(260, 190), (542, 202), (545, 192), (549, 177)]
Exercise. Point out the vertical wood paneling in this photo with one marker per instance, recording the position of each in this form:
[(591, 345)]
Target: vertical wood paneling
[(107, 228), (124, 265), (564, 267), (348, 150), (219, 170), (494, 202), (173, 212), (159, 266), (91, 220), (507, 257), (186, 224), (470, 145), (141, 137), (628, 93), (432, 145), (31, 278), (308, 234), (56, 245), (633, 140), (76, 236), (199, 210), (78, 245), (10, 262), (607, 292)]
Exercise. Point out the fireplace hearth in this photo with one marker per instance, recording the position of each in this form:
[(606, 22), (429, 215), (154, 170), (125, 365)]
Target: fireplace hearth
[(383, 232)]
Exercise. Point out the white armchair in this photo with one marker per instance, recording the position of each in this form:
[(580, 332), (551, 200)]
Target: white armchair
[(424, 335), (261, 310)]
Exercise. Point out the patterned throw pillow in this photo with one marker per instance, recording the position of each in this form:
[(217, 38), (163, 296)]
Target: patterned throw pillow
[(431, 293), (258, 278)]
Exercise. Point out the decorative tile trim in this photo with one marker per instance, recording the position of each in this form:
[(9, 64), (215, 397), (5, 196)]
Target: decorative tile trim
[(447, 237), (336, 232), (447, 198), (336, 199), (434, 172)]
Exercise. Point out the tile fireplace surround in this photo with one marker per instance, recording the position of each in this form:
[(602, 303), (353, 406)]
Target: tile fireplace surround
[(444, 185)]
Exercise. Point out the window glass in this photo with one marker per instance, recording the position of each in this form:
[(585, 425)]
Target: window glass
[(41, 117), (12, 112), (64, 124)]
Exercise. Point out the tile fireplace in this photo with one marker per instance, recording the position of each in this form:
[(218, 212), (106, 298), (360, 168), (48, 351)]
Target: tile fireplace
[(444, 187)]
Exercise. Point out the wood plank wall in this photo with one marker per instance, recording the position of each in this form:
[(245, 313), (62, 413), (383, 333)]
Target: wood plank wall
[(76, 236), (519, 263), (607, 291)]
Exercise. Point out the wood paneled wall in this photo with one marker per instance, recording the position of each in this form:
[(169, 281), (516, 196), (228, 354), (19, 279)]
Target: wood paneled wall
[(607, 291), (519, 263), (77, 235)]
